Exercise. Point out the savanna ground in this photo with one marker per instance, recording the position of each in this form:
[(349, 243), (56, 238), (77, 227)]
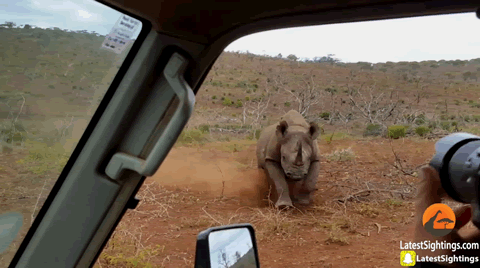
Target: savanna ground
[(379, 123)]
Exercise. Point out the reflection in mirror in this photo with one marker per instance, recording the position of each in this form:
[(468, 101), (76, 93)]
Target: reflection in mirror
[(10, 224), (232, 248)]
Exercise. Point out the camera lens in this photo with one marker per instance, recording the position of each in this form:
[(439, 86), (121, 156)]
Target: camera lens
[(457, 161)]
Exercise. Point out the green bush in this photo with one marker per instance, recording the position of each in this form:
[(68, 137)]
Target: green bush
[(445, 125), (432, 125), (476, 118), (204, 128), (247, 98), (422, 130), (227, 102), (373, 130), (475, 105), (192, 136), (214, 97), (254, 135), (217, 83), (42, 158), (396, 131), (239, 103), (325, 115), (241, 84), (287, 104)]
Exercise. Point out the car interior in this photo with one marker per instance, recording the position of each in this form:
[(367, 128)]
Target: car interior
[(149, 101)]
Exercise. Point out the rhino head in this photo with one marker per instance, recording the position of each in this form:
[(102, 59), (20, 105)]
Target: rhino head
[(296, 149)]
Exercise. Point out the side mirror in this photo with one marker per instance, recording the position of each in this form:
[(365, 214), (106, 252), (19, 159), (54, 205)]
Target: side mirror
[(228, 246), (10, 224)]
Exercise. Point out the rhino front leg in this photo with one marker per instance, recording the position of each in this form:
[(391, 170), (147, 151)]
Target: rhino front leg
[(304, 192), (277, 176)]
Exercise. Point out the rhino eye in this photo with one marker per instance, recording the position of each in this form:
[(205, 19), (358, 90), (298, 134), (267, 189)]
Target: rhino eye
[(283, 157)]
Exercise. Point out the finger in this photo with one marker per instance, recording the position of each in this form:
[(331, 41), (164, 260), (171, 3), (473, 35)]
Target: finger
[(430, 190), (463, 215)]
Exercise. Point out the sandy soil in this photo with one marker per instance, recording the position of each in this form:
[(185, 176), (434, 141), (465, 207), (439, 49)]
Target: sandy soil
[(200, 187), (193, 179)]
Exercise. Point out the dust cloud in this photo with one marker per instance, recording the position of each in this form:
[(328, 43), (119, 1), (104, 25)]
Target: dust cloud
[(215, 173)]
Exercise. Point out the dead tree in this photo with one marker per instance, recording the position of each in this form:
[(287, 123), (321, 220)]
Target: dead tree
[(345, 118), (254, 110), (305, 93), (374, 106), (223, 259)]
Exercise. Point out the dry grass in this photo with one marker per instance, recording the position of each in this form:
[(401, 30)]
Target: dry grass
[(369, 210), (129, 247), (341, 155), (336, 236)]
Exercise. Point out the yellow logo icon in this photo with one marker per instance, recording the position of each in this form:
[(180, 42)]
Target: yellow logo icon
[(407, 258)]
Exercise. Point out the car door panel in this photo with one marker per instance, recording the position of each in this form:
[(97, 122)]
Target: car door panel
[(88, 203)]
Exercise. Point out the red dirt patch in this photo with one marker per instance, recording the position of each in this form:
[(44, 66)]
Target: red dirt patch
[(188, 189)]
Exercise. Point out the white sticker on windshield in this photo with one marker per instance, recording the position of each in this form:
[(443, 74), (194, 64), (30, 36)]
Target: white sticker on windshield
[(121, 34)]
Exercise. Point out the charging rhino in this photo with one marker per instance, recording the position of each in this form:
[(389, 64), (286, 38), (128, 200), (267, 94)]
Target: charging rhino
[(289, 154)]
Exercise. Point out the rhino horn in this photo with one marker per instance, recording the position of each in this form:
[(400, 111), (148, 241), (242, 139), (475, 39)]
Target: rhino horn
[(298, 159)]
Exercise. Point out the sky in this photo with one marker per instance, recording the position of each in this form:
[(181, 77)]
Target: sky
[(230, 240), (447, 37), (69, 14)]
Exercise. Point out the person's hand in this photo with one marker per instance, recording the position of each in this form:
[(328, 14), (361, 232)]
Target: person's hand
[(430, 191)]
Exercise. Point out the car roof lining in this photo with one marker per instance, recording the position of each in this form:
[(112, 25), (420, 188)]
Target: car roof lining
[(206, 21), (215, 38)]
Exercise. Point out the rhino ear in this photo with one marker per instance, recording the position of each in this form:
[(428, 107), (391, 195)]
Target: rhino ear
[(282, 129), (314, 131)]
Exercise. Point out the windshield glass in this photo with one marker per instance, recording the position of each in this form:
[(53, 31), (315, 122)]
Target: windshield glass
[(381, 93), (57, 60)]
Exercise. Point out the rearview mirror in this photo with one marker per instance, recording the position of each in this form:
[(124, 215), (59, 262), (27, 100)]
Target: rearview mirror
[(229, 246)]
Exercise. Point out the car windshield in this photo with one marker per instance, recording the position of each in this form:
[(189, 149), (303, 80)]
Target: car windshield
[(380, 94), (57, 60)]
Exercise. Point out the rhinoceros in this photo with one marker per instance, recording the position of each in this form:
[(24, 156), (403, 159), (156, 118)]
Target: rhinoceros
[(288, 152)]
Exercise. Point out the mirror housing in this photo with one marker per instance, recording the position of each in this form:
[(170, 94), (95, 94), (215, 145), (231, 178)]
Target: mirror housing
[(214, 243)]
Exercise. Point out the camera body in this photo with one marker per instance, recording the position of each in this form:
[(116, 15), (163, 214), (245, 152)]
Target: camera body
[(457, 161)]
